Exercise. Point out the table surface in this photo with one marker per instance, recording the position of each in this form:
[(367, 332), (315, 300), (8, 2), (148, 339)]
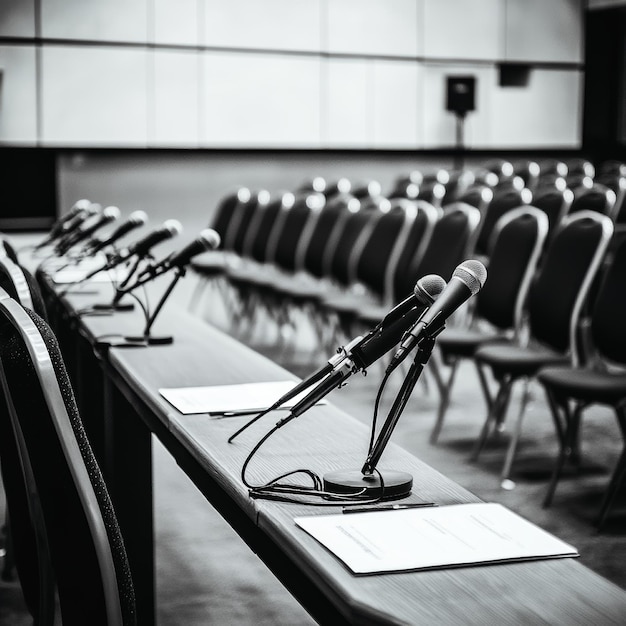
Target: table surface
[(559, 591)]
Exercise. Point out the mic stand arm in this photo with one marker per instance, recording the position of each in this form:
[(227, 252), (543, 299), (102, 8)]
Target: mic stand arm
[(150, 319), (424, 351)]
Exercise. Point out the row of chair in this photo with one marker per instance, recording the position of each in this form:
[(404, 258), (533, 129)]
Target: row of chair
[(544, 264), (64, 537)]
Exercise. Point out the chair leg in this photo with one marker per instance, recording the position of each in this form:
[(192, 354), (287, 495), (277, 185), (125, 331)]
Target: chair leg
[(445, 390), (618, 474), (568, 444), (515, 435), (484, 385), (495, 416)]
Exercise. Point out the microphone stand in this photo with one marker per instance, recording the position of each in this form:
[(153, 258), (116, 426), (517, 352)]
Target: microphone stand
[(394, 484), (147, 339), (115, 304)]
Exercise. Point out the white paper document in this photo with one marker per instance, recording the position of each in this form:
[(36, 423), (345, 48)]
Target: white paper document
[(230, 399), (432, 537), (72, 275)]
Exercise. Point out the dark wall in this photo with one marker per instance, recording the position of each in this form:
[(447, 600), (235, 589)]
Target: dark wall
[(28, 188), (604, 134)]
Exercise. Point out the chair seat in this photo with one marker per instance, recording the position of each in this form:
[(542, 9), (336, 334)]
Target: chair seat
[(585, 384), (463, 342), (510, 359), (209, 264)]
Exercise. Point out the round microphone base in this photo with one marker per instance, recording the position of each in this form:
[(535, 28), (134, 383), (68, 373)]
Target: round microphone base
[(150, 340), (120, 306), (352, 482)]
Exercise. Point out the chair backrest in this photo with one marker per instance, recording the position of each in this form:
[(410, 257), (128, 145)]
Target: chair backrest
[(406, 186), (380, 250), (86, 548), (478, 195), (555, 202), (568, 268), (242, 214), (320, 243), (348, 241), (226, 211), (503, 200), (6, 249), (515, 249), (258, 236), (594, 197), (289, 227), (19, 283), (528, 170), (608, 330), (414, 243), (449, 243)]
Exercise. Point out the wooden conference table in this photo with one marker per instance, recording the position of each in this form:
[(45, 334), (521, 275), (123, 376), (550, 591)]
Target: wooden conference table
[(117, 391)]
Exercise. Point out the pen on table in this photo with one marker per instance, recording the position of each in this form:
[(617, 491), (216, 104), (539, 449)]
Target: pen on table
[(390, 507)]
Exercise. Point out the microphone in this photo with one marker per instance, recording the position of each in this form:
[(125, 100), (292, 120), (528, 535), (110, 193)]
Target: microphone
[(141, 248), (467, 281), (109, 214), (359, 354), (135, 220), (208, 239), (58, 227)]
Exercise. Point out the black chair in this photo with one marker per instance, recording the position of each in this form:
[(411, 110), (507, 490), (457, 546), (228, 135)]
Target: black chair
[(504, 199), (86, 549), (211, 267), (601, 380), (555, 201), (515, 250), (555, 303), (593, 197)]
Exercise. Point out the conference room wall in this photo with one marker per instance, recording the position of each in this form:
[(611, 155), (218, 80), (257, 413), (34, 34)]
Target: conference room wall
[(188, 185), (314, 74)]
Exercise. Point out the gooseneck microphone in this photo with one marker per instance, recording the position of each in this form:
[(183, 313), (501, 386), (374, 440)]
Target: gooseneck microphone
[(141, 248), (134, 220), (58, 228), (359, 354), (208, 239), (467, 280), (109, 214)]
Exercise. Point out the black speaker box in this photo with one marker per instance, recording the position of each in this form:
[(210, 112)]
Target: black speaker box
[(460, 92)]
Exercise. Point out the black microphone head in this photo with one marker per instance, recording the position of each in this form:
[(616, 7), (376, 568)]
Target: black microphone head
[(473, 274), (428, 288)]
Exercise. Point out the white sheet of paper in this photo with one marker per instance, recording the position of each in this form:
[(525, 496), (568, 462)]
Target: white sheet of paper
[(229, 399), (71, 275), (425, 538)]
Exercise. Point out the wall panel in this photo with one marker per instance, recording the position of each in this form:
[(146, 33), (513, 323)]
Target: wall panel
[(97, 97), (113, 20), (260, 100), (373, 27), (457, 29), (17, 18), (271, 24), (547, 112), (176, 22), (396, 95), (174, 102), (18, 108), (536, 30), (348, 103)]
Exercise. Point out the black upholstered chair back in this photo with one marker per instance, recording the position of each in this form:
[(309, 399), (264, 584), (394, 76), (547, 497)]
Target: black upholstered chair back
[(554, 201), (503, 200), (258, 247), (515, 250), (321, 244), (570, 263), (449, 244), (609, 311), (86, 548), (596, 197), (226, 211), (19, 283)]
